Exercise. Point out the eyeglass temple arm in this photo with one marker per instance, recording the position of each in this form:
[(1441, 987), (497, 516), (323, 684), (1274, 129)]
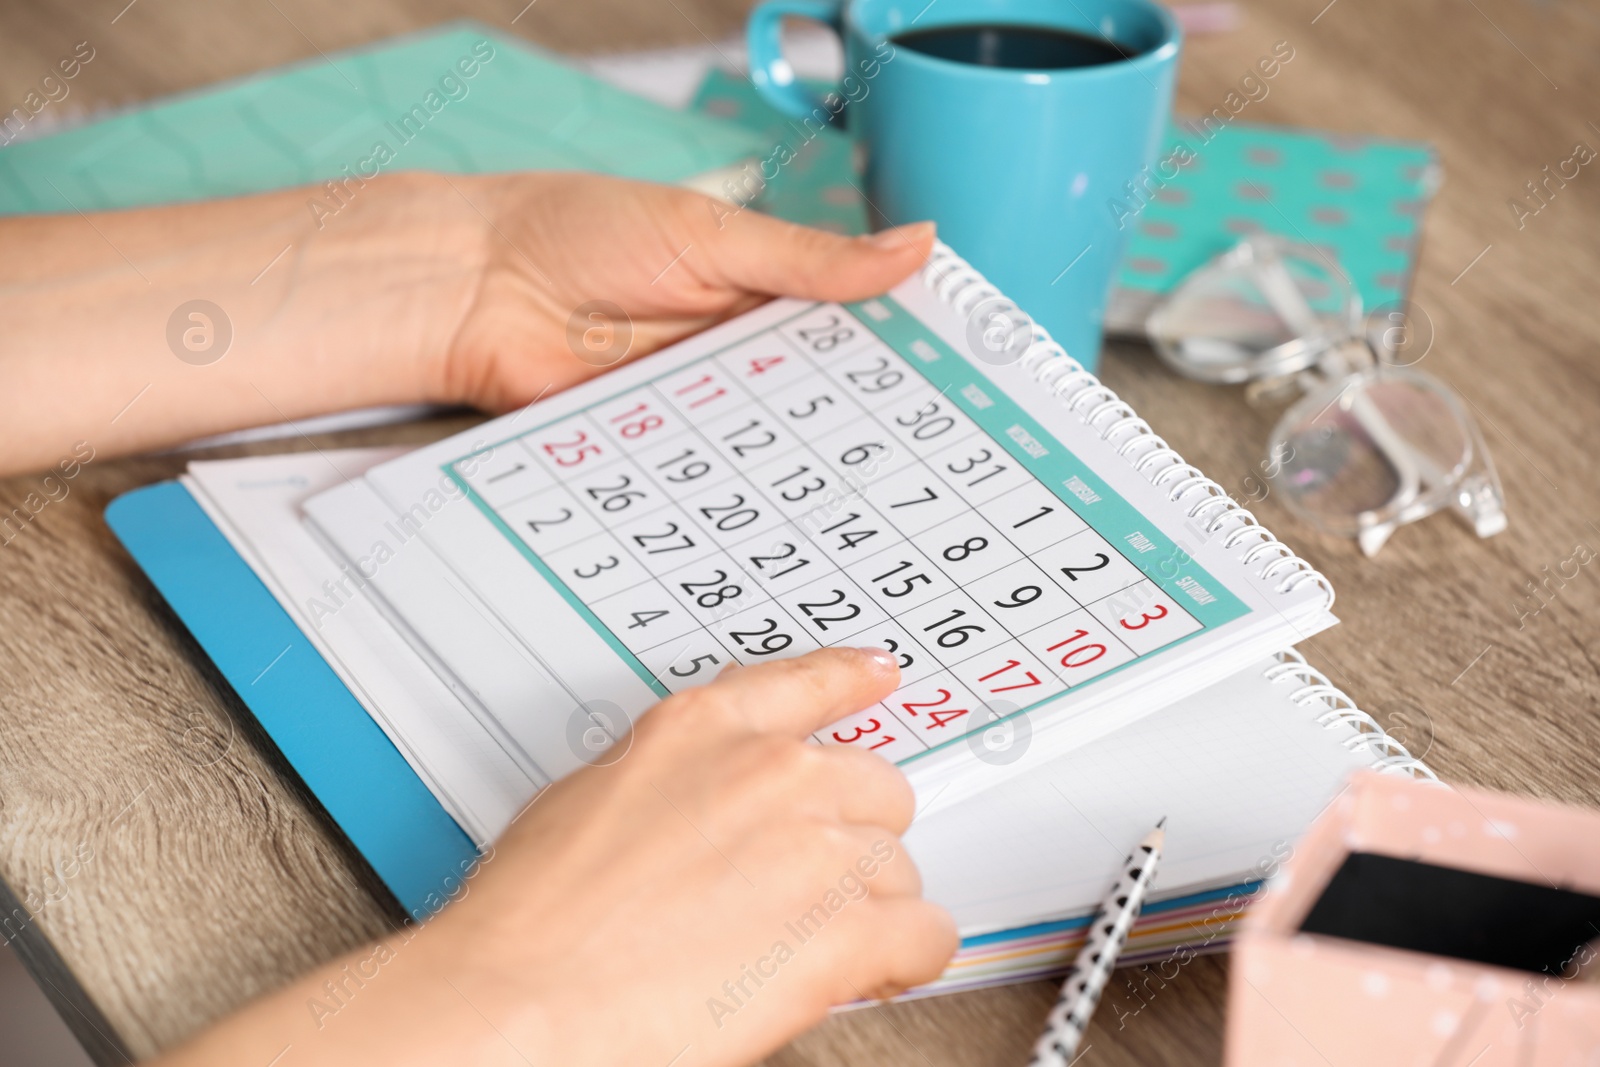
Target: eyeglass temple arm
[(1283, 295), (1410, 468), (1478, 499)]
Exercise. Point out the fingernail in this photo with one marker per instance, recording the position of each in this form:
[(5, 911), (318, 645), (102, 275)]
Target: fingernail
[(882, 659), (901, 236)]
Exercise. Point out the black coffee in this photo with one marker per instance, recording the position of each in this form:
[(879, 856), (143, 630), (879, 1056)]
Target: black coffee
[(1014, 46)]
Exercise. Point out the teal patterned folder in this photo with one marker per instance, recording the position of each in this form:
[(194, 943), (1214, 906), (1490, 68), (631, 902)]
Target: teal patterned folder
[(520, 108)]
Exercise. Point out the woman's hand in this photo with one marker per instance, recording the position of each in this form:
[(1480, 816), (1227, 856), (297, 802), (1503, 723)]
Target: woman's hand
[(718, 888), (699, 901), (672, 261), (176, 322)]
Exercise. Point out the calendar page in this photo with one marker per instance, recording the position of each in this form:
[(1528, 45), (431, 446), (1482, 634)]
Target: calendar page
[(811, 486), (825, 474)]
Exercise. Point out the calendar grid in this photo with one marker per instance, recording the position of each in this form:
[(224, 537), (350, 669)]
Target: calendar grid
[(860, 495), (980, 606), (832, 570), (883, 519), (734, 479)]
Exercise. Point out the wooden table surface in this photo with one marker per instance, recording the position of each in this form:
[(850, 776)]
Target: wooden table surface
[(173, 866)]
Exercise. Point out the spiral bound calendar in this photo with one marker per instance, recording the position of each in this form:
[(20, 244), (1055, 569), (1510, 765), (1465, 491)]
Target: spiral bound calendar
[(815, 474), (1239, 768)]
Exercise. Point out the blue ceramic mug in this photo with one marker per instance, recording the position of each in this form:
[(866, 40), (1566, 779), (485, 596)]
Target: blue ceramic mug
[(1021, 168)]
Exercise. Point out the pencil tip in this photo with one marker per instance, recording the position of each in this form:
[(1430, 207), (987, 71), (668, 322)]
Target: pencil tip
[(1162, 823)]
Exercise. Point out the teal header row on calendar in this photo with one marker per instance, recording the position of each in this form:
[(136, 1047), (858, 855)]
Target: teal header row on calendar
[(1162, 560)]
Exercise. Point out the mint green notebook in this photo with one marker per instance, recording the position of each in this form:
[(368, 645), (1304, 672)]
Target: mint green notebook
[(520, 108)]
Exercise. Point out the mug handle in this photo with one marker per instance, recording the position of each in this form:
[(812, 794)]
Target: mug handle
[(770, 73)]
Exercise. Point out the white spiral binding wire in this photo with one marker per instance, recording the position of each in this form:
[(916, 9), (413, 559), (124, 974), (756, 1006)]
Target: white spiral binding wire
[(1338, 710), (960, 286)]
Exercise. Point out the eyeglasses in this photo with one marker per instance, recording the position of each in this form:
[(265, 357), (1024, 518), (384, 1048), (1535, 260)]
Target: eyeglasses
[(1369, 446)]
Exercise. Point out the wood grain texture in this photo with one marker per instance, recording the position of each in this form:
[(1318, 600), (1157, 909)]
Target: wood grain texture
[(159, 852)]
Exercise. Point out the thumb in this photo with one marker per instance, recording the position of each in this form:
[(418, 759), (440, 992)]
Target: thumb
[(760, 254)]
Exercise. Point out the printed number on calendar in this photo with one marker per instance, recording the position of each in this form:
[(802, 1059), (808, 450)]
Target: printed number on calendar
[(876, 376), (952, 631), (1009, 676), (934, 714), (901, 580), (615, 494), (1020, 597), (637, 421), (806, 409), (695, 665), (1145, 618), (713, 592), (782, 558), (734, 515), (684, 467), (928, 422), (1101, 561), (905, 659), (961, 550), (981, 468), (700, 392), (765, 641), (833, 610), (1076, 650), (827, 336), (865, 733), (798, 484), (750, 437), (669, 540), (848, 538), (856, 455), (595, 570), (539, 524), (570, 453)]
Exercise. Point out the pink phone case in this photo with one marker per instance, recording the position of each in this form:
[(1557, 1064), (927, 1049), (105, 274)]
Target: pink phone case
[(1300, 998)]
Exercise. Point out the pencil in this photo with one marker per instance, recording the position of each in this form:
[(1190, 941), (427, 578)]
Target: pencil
[(1108, 931)]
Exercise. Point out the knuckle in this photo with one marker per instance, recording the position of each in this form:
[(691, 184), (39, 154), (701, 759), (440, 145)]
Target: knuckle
[(763, 774), (835, 840), (800, 762), (903, 873), (891, 779), (692, 212), (685, 713), (811, 240), (813, 672), (870, 775), (938, 930), (783, 762), (716, 703), (827, 850), (674, 712)]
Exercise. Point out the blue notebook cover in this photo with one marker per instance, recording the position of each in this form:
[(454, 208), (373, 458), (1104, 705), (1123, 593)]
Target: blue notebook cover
[(344, 758)]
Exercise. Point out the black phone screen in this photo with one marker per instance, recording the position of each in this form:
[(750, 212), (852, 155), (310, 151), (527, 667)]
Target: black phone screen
[(1445, 911)]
